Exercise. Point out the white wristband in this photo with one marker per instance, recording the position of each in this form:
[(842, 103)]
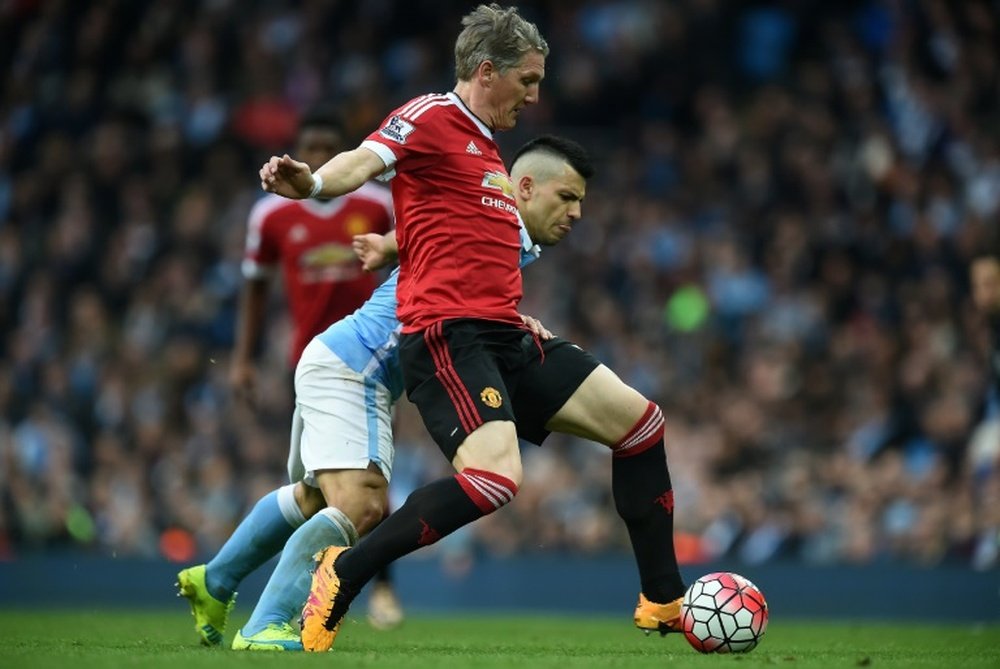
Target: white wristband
[(317, 185)]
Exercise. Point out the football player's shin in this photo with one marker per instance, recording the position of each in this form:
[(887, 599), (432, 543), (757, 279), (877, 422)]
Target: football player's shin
[(644, 499)]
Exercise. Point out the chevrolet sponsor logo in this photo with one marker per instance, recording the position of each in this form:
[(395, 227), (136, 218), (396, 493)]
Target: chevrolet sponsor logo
[(500, 181), (328, 254)]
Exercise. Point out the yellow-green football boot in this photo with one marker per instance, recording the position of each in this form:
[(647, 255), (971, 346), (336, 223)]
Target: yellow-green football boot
[(210, 614), (273, 637)]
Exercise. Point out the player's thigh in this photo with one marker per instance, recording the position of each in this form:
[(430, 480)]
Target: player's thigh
[(603, 409), (342, 421), (547, 384), (570, 391), (457, 375)]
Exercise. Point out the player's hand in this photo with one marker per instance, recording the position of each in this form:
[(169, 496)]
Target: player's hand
[(370, 248), (536, 327), (287, 177), (243, 383)]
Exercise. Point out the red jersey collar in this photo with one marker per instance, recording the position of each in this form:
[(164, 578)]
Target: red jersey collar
[(468, 112)]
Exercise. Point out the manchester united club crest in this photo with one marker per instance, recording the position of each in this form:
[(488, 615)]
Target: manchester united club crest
[(491, 397)]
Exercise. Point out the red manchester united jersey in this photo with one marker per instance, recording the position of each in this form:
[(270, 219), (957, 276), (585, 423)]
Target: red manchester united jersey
[(456, 217), (311, 240)]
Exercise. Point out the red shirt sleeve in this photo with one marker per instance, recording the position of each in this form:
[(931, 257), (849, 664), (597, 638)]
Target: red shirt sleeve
[(262, 251)]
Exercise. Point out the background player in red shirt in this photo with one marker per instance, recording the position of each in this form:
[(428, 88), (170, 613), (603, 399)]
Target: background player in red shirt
[(310, 242), (462, 351)]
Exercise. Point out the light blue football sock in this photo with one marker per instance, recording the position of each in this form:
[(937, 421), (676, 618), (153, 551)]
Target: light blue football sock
[(256, 540), (286, 591)]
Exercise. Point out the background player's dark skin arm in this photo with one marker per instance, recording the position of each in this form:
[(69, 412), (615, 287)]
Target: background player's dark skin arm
[(242, 373)]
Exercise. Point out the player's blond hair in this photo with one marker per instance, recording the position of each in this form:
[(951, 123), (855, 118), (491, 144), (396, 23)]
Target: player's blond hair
[(497, 34)]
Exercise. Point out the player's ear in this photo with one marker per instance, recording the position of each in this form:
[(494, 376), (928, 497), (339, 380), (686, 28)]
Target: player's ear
[(487, 71), (525, 187)]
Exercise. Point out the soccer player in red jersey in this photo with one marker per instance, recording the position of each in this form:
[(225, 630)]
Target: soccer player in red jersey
[(463, 349), (310, 242)]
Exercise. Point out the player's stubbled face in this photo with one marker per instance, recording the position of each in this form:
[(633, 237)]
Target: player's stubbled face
[(559, 205), (316, 146), (515, 89)]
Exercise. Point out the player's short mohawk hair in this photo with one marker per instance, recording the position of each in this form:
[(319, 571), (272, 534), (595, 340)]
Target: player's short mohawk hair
[(498, 34), (560, 147)]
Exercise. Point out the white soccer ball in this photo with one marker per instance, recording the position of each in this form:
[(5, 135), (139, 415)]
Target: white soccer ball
[(723, 613)]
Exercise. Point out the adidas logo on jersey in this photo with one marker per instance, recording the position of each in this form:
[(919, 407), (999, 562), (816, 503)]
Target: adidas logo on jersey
[(473, 149)]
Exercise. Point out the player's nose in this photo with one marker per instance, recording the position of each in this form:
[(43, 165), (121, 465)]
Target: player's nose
[(531, 97)]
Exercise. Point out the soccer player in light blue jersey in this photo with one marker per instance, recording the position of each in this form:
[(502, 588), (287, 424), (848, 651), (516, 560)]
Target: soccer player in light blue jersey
[(341, 448)]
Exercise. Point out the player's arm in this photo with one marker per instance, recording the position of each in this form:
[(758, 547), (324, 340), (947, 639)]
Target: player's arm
[(250, 322), (343, 173), (375, 251)]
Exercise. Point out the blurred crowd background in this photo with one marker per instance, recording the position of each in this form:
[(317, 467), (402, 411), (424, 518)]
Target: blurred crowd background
[(775, 248)]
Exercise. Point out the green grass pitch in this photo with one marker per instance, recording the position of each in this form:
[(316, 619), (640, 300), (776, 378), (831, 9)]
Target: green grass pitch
[(115, 638)]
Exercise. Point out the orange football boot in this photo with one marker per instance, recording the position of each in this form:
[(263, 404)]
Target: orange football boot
[(323, 613), (662, 618)]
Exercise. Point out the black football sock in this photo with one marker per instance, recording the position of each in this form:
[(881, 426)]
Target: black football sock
[(644, 498), (384, 575), (431, 512)]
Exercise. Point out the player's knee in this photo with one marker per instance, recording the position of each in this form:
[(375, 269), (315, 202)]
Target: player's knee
[(360, 495), (493, 447), (371, 510), (487, 490), (509, 469), (310, 500), (512, 472), (645, 433)]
